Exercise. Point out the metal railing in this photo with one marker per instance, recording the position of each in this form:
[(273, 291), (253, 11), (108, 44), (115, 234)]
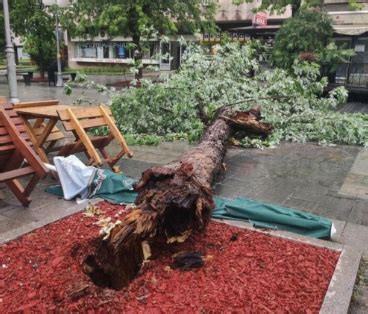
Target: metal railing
[(353, 75)]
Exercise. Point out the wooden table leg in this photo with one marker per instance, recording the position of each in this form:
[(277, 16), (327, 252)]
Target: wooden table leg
[(38, 142), (46, 132)]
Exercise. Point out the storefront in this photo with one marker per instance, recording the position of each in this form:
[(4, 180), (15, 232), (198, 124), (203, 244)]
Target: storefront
[(351, 31), (167, 55)]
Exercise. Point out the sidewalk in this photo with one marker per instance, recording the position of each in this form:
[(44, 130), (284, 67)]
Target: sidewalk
[(41, 90)]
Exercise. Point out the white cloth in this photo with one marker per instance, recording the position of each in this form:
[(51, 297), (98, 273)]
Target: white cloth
[(74, 176)]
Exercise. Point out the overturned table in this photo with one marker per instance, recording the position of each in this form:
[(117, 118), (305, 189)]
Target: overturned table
[(40, 123)]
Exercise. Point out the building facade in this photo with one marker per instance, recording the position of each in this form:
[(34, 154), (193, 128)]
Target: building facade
[(351, 31), (104, 51)]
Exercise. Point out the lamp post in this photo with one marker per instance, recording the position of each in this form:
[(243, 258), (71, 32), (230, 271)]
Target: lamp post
[(50, 3), (10, 58), (59, 81)]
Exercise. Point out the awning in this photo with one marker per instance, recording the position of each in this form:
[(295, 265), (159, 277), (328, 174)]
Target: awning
[(350, 29), (255, 28)]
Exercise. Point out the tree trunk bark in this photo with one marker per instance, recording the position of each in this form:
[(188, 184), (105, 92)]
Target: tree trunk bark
[(174, 200)]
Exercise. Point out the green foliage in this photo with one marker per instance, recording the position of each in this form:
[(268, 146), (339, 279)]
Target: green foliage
[(134, 18), (331, 56), (31, 20), (183, 104), (143, 19), (310, 33)]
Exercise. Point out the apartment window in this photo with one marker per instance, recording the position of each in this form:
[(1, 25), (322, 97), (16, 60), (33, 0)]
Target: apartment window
[(121, 51), (93, 50), (87, 50), (150, 50)]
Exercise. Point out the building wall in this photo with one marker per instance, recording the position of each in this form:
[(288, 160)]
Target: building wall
[(228, 12), (351, 31)]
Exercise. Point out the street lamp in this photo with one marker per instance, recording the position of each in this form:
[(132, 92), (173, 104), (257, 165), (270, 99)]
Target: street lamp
[(59, 82), (10, 58)]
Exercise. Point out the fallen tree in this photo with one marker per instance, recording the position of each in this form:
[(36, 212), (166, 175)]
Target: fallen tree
[(173, 201)]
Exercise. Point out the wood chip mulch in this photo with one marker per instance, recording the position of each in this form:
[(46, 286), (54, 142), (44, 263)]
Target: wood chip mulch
[(244, 271)]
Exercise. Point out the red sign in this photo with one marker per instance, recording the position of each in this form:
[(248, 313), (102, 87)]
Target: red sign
[(260, 19)]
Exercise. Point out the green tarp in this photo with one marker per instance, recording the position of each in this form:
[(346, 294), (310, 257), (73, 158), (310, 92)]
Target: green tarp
[(110, 186), (117, 189), (270, 216)]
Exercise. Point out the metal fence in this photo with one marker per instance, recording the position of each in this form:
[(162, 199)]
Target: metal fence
[(353, 75)]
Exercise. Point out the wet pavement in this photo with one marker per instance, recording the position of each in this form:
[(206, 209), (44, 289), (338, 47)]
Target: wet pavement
[(42, 91)]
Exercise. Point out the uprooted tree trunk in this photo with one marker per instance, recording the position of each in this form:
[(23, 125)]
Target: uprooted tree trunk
[(173, 201)]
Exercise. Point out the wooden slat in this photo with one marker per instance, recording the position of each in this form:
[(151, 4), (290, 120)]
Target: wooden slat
[(15, 121), (3, 100), (3, 131), (6, 106), (5, 148), (22, 146), (5, 139), (39, 131), (17, 173), (55, 134), (85, 124), (20, 127), (115, 131), (79, 128), (55, 137), (11, 113), (38, 103), (82, 113)]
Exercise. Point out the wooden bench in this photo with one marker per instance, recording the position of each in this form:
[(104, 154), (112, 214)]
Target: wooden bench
[(17, 159), (52, 76), (82, 120), (39, 126), (27, 77)]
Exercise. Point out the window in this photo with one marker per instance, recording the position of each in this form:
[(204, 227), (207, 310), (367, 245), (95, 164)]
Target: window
[(121, 51), (87, 50)]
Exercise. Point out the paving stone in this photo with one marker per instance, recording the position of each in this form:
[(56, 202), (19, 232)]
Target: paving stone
[(226, 191), (302, 204), (359, 213), (356, 236), (7, 224), (335, 207)]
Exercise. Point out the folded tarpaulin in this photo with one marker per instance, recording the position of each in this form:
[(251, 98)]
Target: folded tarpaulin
[(270, 216)]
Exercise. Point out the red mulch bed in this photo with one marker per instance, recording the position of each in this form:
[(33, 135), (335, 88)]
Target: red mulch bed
[(245, 271)]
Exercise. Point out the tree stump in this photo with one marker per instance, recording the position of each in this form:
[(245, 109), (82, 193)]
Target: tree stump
[(173, 200)]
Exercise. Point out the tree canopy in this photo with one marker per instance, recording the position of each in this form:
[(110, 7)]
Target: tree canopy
[(308, 35), (278, 6), (137, 19), (184, 103), (132, 18), (36, 25)]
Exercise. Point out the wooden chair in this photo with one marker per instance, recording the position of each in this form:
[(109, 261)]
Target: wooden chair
[(17, 159), (80, 121), (39, 125)]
